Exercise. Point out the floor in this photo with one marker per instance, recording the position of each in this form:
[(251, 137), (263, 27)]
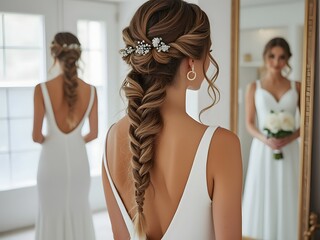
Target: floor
[(100, 220), (101, 224)]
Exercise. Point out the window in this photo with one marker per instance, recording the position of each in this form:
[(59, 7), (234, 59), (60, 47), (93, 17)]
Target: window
[(22, 65), (92, 38), (20, 43)]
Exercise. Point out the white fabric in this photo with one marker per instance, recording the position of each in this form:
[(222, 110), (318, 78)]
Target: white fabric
[(63, 182), (270, 200), (193, 217)]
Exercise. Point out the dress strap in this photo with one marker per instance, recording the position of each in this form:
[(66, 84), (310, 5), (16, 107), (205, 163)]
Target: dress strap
[(121, 206), (46, 99), (293, 85), (91, 101), (199, 167), (258, 84)]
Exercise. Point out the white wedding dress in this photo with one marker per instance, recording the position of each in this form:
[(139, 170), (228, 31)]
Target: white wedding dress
[(64, 181), (270, 199)]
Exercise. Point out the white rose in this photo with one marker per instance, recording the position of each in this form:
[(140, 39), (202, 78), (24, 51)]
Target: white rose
[(272, 122), (287, 121)]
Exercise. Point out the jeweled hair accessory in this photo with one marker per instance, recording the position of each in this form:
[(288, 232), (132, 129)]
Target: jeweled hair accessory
[(65, 46), (160, 45), (127, 51), (144, 48), (73, 46)]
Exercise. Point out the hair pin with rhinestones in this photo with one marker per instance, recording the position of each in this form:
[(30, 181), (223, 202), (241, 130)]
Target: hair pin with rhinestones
[(143, 48), (72, 46), (160, 45)]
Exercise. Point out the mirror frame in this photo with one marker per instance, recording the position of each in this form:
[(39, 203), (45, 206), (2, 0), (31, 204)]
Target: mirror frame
[(306, 103)]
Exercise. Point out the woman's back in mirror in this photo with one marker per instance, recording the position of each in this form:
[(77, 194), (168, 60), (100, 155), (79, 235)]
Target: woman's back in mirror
[(60, 105)]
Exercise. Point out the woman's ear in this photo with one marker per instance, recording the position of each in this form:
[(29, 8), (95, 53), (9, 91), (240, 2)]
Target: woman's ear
[(190, 63)]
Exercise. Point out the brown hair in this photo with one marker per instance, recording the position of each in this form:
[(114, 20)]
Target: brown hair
[(279, 42), (186, 29), (66, 49)]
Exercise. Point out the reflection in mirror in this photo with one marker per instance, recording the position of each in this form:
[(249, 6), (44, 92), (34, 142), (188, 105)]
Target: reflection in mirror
[(269, 92)]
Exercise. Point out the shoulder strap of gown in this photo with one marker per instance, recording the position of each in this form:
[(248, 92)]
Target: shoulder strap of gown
[(258, 84), (46, 99), (122, 208), (90, 101), (293, 84)]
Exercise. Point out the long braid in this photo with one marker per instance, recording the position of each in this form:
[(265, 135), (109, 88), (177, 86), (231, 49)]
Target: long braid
[(145, 124), (66, 48), (70, 85), (183, 26)]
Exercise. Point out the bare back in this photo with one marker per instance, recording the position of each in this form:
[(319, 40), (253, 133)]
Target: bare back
[(60, 106), (60, 109), (175, 151)]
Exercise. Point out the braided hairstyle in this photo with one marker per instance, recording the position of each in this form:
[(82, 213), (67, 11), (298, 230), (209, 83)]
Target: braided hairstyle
[(186, 29), (66, 49)]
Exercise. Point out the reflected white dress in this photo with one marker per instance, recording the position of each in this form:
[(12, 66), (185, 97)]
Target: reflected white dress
[(270, 200), (63, 182)]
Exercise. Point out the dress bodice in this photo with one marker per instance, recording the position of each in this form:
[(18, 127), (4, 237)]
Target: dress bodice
[(265, 102)]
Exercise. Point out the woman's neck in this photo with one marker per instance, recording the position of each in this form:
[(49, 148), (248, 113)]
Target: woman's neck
[(274, 77), (175, 101)]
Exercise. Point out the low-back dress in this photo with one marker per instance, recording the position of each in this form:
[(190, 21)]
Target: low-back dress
[(64, 181)]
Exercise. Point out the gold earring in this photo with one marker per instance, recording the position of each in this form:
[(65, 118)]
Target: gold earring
[(190, 73)]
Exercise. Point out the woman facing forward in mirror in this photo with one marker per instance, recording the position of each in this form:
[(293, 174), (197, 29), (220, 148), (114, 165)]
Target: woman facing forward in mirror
[(63, 173), (165, 175), (270, 200)]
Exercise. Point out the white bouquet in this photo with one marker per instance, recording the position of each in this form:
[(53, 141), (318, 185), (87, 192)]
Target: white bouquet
[(279, 125)]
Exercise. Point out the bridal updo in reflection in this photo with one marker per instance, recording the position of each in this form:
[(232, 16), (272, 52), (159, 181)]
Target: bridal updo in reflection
[(270, 199)]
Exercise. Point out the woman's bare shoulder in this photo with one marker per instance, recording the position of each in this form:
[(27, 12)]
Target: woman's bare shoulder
[(120, 127), (37, 88), (223, 136), (224, 147), (84, 83), (251, 87), (53, 81), (118, 134)]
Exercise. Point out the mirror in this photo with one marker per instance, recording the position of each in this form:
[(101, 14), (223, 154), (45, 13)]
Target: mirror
[(277, 206)]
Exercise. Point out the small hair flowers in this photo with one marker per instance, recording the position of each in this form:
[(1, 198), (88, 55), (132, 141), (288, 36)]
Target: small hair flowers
[(127, 51), (72, 46), (160, 45), (143, 48)]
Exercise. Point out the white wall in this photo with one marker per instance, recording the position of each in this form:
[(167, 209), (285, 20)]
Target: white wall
[(219, 13), (266, 16)]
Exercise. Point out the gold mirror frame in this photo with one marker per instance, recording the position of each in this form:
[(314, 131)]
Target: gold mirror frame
[(306, 104)]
